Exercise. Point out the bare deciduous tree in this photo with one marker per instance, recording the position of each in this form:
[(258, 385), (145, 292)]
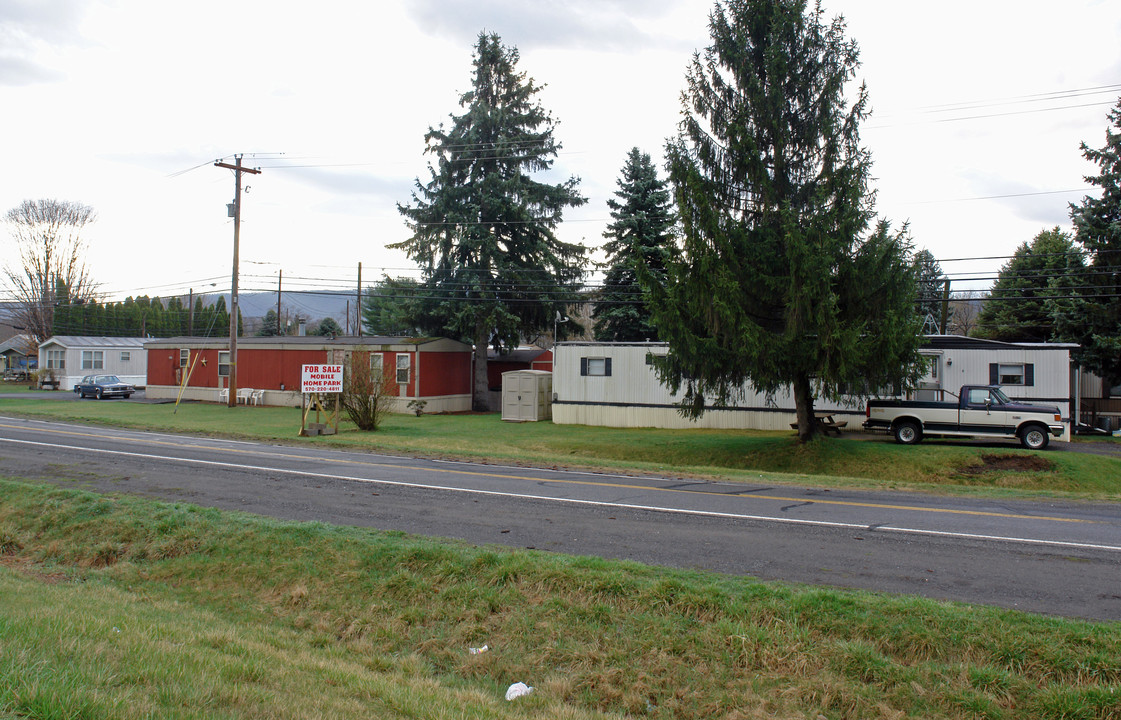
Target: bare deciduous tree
[(52, 267), (965, 311)]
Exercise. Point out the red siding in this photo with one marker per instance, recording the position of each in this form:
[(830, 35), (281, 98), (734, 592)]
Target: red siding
[(442, 373), (445, 374), (269, 369)]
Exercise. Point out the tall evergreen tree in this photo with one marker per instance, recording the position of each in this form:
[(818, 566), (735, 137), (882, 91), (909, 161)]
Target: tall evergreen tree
[(779, 281), (640, 233), (931, 290), (1022, 304), (1094, 320), (483, 228)]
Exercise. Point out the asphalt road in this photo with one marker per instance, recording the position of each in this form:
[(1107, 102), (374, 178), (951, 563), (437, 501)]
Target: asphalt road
[(1054, 558)]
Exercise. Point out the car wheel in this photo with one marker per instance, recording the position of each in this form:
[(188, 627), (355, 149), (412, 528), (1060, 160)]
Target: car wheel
[(1034, 437), (128, 395), (98, 394), (907, 432)]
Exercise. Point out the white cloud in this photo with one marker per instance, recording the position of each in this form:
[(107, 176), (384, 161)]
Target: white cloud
[(106, 100)]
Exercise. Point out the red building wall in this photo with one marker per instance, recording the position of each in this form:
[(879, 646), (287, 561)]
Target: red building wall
[(445, 374), (440, 373)]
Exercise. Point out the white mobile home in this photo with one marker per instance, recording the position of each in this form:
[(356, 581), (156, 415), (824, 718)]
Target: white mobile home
[(614, 384), (71, 357)]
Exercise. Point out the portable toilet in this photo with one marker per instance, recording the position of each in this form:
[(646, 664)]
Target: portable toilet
[(527, 395)]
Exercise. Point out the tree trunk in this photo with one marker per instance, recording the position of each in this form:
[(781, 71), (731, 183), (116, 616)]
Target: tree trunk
[(804, 406), (480, 397)]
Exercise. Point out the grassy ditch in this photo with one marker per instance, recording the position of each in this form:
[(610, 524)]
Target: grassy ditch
[(728, 454), (128, 608)]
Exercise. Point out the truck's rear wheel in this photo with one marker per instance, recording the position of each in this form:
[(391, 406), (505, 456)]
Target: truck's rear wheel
[(1034, 437), (907, 432)]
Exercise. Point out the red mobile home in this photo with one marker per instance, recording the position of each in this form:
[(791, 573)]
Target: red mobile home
[(435, 370)]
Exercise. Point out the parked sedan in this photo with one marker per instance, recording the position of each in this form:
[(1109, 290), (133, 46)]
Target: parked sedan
[(103, 386)]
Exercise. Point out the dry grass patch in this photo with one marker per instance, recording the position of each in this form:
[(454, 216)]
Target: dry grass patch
[(283, 618)]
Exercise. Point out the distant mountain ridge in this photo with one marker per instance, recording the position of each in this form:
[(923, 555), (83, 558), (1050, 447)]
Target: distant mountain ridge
[(312, 306)]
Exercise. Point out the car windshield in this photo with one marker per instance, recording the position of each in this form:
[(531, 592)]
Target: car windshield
[(999, 397), (106, 379)]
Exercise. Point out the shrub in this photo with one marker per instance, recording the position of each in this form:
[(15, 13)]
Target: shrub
[(367, 395)]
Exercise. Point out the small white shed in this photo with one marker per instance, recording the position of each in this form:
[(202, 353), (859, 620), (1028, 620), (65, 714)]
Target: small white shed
[(527, 395)]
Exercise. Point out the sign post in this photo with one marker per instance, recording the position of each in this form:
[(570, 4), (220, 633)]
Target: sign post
[(316, 381)]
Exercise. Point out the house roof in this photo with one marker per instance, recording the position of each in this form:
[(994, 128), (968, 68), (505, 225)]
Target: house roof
[(314, 342), (960, 342), (522, 354), (19, 343), (83, 341), (931, 342)]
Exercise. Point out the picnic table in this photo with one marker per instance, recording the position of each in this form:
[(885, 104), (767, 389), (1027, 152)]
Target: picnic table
[(825, 419)]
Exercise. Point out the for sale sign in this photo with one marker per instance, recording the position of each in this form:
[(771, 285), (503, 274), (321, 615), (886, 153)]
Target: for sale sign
[(322, 379)]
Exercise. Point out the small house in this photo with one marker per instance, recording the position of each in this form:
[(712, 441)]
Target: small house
[(18, 356), (69, 358)]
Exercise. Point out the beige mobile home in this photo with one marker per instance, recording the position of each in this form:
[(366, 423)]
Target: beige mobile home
[(614, 384)]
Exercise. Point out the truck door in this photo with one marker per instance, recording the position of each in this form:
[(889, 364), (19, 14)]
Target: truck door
[(983, 412)]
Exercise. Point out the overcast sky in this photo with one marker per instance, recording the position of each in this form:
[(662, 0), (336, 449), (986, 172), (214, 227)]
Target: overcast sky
[(978, 111)]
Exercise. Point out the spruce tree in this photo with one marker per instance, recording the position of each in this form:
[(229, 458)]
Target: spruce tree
[(1024, 298), (780, 281), (640, 234), (1094, 320), (483, 227), (931, 289)]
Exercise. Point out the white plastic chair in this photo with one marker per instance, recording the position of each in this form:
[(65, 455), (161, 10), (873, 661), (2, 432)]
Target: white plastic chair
[(243, 395), (223, 395), (257, 396)]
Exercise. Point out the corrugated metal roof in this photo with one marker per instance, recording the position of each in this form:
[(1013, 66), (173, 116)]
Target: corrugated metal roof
[(73, 341)]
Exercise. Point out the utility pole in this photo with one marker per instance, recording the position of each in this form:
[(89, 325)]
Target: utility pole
[(279, 279), (191, 313), (238, 170), (945, 304), (358, 305)]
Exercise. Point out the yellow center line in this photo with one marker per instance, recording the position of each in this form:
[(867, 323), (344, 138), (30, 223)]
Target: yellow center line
[(559, 481)]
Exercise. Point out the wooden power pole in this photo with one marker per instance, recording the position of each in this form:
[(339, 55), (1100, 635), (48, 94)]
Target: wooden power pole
[(238, 170)]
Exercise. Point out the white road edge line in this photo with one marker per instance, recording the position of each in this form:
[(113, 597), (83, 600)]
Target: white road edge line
[(592, 503)]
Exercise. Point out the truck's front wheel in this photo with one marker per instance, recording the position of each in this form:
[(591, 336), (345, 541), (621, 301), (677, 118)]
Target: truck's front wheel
[(1034, 437), (907, 432)]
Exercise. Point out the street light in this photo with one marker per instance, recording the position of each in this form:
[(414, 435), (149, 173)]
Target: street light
[(556, 320)]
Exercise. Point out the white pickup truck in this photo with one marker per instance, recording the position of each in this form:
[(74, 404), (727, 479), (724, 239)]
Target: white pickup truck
[(980, 411)]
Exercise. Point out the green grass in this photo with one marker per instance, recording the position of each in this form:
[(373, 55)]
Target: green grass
[(119, 607), (734, 455), (22, 387)]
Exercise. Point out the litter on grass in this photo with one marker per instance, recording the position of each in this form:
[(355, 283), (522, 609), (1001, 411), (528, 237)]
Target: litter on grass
[(517, 690), (478, 650)]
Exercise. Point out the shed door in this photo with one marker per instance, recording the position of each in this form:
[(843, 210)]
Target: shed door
[(526, 397), (517, 397)]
